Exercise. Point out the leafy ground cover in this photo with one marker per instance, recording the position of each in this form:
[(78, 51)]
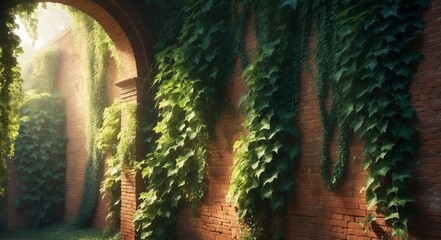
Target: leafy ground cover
[(57, 232)]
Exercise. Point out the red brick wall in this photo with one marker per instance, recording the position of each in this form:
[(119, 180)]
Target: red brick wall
[(316, 212), (70, 85), (72, 89), (426, 100), (216, 218), (128, 205)]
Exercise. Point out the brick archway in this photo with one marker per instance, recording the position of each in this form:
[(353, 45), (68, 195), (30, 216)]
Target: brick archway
[(120, 20), (134, 45)]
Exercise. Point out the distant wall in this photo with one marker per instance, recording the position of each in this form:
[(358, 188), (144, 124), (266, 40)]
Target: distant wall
[(70, 85)]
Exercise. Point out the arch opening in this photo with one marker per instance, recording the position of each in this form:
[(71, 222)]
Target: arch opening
[(126, 32)]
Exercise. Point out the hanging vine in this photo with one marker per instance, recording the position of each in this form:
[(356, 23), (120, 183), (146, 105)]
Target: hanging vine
[(11, 95), (190, 80), (374, 77), (117, 142), (97, 46), (262, 181), (326, 28), (107, 143), (369, 89)]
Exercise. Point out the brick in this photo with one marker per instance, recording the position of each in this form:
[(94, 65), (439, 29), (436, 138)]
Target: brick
[(317, 213)]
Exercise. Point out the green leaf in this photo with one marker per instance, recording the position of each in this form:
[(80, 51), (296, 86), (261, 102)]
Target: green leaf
[(286, 186), (371, 183), (291, 3), (271, 178), (371, 199), (207, 6), (277, 202), (357, 123), (266, 192), (389, 11), (381, 169)]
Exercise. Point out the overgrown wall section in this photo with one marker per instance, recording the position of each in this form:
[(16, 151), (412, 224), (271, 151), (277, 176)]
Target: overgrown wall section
[(317, 213), (71, 86)]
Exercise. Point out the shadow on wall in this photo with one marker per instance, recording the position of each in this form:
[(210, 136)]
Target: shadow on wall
[(186, 221), (3, 214)]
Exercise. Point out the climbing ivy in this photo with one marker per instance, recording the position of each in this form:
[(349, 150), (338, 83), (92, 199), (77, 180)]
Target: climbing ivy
[(40, 146), (127, 136), (374, 77), (40, 158), (107, 143), (118, 143), (96, 46), (326, 26), (262, 181), (40, 72), (190, 80), (368, 89), (11, 95)]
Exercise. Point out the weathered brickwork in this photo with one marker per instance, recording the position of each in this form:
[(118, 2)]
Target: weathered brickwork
[(426, 99), (315, 213), (70, 85), (129, 195)]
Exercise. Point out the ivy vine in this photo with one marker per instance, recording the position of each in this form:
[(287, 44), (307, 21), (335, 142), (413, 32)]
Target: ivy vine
[(11, 95), (368, 81), (374, 77), (96, 46), (40, 158), (107, 143), (117, 142), (262, 181), (190, 89), (326, 26), (41, 143)]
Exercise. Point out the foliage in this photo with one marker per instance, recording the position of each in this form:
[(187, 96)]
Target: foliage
[(57, 232), (374, 76), (40, 72), (127, 136), (190, 78), (40, 158), (96, 46), (119, 143), (40, 146), (262, 181), (367, 81), (326, 27), (107, 141), (11, 95)]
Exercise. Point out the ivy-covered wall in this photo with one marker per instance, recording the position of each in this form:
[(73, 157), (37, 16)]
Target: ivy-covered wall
[(70, 84), (74, 92), (316, 212)]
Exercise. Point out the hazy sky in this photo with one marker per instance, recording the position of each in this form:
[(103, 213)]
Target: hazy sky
[(51, 21)]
